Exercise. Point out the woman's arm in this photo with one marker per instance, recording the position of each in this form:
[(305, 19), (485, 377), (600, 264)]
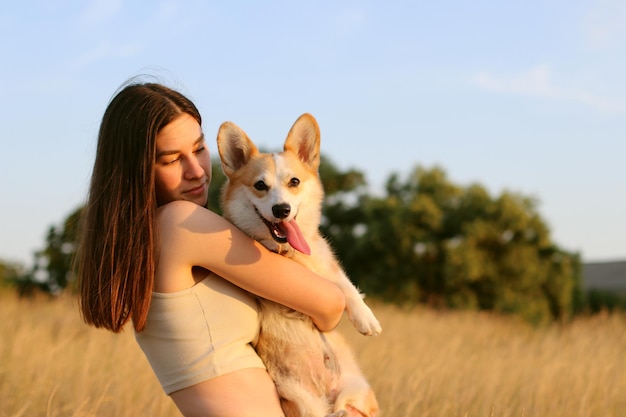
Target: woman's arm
[(194, 236)]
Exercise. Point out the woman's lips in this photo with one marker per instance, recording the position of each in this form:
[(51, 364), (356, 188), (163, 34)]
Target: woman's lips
[(196, 191)]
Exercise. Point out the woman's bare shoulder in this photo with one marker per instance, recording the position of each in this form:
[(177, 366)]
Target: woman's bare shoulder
[(181, 210), (181, 241), (185, 216)]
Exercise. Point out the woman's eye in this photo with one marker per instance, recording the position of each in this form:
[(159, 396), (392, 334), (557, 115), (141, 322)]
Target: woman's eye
[(261, 186), (171, 162), (294, 182), (200, 149)]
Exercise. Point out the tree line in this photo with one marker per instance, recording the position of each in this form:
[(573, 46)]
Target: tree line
[(423, 239)]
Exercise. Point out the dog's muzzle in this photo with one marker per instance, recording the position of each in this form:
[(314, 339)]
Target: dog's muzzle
[(277, 234)]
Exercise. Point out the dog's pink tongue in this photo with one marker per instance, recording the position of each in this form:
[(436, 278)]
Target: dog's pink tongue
[(295, 237)]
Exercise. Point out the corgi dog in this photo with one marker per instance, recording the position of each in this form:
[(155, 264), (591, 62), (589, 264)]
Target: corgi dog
[(276, 199)]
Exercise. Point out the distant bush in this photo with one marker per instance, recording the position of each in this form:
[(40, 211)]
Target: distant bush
[(601, 300)]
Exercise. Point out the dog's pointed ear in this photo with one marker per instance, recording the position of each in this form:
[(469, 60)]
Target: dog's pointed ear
[(304, 140), (234, 147)]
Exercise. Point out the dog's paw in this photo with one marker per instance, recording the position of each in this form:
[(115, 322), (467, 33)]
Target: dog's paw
[(365, 321)]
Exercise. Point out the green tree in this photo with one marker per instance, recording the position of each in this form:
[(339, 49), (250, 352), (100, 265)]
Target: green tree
[(52, 266), (429, 240), (217, 180), (505, 261), (343, 219), (9, 273)]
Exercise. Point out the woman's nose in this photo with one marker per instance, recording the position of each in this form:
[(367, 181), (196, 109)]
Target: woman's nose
[(193, 169)]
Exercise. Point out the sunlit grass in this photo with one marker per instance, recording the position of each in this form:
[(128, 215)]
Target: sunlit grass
[(425, 363)]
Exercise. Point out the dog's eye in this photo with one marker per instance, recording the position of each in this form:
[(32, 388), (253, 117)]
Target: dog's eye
[(261, 186), (294, 182)]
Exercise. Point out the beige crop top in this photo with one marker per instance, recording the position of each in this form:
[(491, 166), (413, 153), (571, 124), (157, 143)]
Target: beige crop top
[(200, 333)]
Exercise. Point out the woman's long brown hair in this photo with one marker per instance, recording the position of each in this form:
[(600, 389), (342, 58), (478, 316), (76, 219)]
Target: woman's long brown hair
[(117, 252)]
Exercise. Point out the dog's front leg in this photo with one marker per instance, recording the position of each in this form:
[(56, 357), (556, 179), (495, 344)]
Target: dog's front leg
[(360, 315)]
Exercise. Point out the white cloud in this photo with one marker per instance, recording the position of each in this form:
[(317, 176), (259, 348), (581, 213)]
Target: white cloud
[(539, 82)]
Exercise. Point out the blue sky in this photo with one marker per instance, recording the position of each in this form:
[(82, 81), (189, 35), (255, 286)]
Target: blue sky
[(527, 96)]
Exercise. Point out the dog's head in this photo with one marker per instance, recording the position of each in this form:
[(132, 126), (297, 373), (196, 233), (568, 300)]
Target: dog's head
[(275, 198)]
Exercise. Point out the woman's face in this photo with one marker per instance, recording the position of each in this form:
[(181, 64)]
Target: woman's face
[(183, 163)]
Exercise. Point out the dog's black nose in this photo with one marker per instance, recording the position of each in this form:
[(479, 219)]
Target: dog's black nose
[(281, 211)]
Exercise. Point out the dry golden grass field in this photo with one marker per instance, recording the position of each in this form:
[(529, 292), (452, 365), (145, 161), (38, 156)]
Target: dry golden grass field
[(424, 364)]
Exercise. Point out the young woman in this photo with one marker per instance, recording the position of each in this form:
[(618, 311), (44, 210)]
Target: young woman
[(152, 253)]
